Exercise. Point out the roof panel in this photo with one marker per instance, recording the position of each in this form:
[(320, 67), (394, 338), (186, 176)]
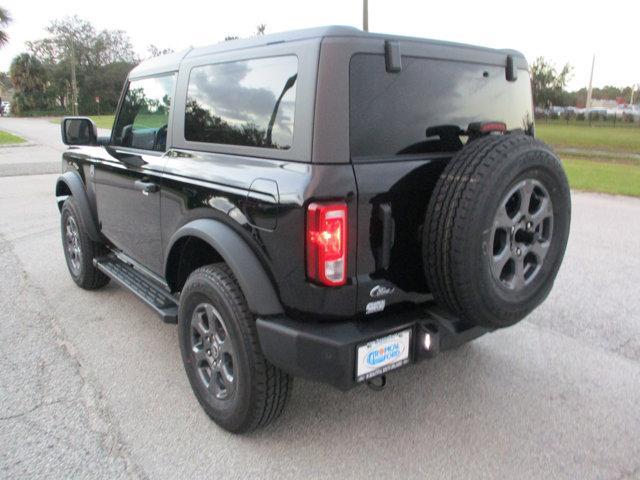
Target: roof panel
[(171, 62)]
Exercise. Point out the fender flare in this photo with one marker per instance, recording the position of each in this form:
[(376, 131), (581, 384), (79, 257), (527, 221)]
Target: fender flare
[(75, 184), (234, 250)]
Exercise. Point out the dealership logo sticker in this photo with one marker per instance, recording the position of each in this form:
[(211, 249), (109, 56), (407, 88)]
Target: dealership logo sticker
[(384, 354)]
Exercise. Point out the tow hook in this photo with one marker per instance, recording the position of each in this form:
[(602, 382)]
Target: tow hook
[(377, 386)]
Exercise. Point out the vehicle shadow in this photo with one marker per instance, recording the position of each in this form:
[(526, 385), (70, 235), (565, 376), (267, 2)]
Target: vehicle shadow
[(413, 392)]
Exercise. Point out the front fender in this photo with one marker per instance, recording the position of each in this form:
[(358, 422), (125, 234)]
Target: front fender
[(251, 275), (71, 182)]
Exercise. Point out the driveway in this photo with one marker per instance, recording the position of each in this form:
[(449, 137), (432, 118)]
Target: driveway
[(92, 385), (42, 151)]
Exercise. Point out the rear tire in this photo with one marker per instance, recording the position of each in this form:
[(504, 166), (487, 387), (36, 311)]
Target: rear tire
[(235, 385), (496, 229), (79, 249)]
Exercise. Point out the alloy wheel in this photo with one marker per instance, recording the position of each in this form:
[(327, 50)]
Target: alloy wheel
[(213, 353), (72, 245), (521, 234)]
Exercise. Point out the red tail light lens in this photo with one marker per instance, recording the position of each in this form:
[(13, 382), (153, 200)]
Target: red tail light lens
[(327, 243), (488, 127)]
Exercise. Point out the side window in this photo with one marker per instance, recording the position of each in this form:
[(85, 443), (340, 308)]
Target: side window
[(144, 116), (250, 102)]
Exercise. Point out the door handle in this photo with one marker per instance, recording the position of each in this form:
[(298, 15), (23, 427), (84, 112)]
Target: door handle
[(146, 187)]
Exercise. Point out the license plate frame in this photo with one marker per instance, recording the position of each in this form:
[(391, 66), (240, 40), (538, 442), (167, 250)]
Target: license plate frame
[(383, 354)]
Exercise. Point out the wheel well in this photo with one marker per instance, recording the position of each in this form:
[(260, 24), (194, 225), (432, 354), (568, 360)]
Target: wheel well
[(186, 255), (62, 192)]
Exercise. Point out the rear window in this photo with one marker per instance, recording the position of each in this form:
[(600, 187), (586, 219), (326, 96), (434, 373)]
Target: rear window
[(250, 103), (423, 108)]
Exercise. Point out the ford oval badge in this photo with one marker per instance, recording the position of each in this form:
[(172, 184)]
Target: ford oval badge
[(380, 291)]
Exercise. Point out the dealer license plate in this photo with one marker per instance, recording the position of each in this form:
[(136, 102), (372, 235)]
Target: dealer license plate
[(383, 354)]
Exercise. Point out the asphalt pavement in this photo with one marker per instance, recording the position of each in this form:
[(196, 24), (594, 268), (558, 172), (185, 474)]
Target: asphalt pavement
[(92, 385)]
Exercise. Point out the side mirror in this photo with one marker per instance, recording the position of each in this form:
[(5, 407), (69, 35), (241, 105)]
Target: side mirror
[(79, 131)]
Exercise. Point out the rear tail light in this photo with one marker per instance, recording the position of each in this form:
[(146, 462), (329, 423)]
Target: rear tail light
[(483, 128), (327, 243), (489, 127)]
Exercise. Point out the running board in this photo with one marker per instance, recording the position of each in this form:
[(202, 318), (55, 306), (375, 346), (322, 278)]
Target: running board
[(146, 289)]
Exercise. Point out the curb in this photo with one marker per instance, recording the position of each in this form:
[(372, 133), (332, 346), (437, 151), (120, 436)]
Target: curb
[(22, 144)]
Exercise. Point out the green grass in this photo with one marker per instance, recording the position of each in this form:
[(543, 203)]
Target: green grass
[(603, 162), (142, 121), (620, 139), (101, 121), (150, 121), (605, 177), (585, 123), (7, 138)]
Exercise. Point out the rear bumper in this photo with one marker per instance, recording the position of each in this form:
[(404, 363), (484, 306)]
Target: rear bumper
[(326, 352)]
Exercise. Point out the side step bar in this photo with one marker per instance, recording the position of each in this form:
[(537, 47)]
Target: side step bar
[(149, 291)]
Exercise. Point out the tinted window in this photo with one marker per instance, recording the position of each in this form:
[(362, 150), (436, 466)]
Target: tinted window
[(144, 115), (243, 103), (423, 108)]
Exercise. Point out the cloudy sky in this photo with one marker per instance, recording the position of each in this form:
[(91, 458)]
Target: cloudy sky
[(563, 31)]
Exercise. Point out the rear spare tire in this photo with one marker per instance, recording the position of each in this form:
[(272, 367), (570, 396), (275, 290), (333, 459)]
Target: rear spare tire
[(496, 229)]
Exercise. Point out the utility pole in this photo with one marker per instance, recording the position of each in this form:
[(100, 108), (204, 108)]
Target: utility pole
[(365, 15), (593, 62), (74, 84)]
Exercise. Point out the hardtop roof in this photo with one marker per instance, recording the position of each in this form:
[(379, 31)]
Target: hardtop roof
[(171, 62)]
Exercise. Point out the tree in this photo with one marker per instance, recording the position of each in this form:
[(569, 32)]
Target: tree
[(260, 30), (29, 77), (5, 20), (548, 84), (155, 51), (80, 59), (91, 48)]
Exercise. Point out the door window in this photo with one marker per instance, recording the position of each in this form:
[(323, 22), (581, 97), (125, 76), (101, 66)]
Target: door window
[(250, 103), (144, 116)]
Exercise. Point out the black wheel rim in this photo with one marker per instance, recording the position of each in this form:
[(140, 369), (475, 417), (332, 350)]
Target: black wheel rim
[(213, 353), (521, 234), (72, 245)]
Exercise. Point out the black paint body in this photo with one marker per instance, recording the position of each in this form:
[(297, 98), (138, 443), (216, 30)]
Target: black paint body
[(262, 194)]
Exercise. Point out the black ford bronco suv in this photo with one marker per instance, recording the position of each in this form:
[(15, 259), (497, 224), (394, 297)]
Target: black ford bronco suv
[(325, 203)]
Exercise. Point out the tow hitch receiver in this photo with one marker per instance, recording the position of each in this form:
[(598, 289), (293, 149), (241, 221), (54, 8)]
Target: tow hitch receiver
[(377, 384)]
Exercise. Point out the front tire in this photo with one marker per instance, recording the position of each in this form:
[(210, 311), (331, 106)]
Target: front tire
[(235, 385), (79, 249)]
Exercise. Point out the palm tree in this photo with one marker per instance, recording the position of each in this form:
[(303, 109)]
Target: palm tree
[(5, 20), (27, 73)]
